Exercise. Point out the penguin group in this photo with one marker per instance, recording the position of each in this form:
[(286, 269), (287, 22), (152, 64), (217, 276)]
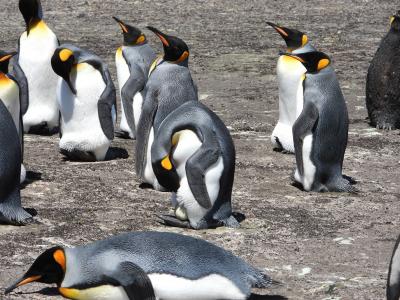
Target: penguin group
[(182, 147)]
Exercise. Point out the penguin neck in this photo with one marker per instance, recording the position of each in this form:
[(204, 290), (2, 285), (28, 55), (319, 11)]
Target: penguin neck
[(37, 26), (130, 44)]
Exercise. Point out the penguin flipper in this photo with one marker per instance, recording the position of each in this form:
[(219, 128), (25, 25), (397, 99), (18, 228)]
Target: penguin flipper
[(304, 126), (133, 85), (22, 82), (196, 168), (134, 281)]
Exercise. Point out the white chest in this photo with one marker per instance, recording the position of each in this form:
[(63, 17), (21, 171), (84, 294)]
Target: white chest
[(9, 94)]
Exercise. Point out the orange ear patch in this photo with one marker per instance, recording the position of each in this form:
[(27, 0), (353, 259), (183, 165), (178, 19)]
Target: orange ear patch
[(323, 63), (65, 54), (5, 58), (184, 56), (166, 163), (141, 39), (59, 257)]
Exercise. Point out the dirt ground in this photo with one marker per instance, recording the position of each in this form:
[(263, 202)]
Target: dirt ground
[(320, 246)]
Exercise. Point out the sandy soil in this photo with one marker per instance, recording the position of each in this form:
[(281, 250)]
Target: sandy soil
[(320, 246)]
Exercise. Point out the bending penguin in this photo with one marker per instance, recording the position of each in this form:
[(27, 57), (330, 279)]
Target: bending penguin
[(87, 101), (36, 47), (10, 148), (146, 266), (320, 132), (169, 86), (133, 61), (290, 79), (383, 81), (14, 94), (193, 155), (393, 280)]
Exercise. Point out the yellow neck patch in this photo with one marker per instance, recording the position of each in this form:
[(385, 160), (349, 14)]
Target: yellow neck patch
[(304, 40), (323, 63), (155, 64), (38, 28), (392, 19)]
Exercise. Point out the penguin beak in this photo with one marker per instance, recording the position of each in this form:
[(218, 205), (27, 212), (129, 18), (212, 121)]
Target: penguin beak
[(279, 29), (7, 56), (68, 80), (121, 24), (163, 37), (22, 281)]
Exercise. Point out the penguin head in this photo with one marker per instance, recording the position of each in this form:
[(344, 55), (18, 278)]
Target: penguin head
[(312, 61), (175, 49), (62, 62), (294, 39), (49, 267), (31, 10), (5, 60), (395, 21), (132, 35)]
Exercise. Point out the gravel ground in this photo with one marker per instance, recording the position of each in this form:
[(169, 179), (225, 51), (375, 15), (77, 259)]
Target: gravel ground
[(320, 246)]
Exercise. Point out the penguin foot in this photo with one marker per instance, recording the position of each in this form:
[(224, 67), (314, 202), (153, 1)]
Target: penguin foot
[(145, 186), (124, 135), (43, 129), (351, 180), (385, 126), (239, 216), (77, 155), (172, 221)]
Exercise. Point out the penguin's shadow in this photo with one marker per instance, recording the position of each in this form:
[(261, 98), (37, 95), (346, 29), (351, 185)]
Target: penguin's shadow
[(31, 177), (267, 297)]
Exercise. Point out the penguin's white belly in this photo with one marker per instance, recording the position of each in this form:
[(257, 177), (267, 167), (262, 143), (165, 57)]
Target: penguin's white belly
[(9, 94), (35, 54), (137, 107), (212, 287), (81, 128), (187, 143), (104, 292), (308, 166), (123, 74), (290, 80), (149, 176)]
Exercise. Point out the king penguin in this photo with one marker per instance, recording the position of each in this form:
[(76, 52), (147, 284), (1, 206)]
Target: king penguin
[(146, 266), (36, 47), (193, 155), (290, 79), (383, 81), (133, 61), (10, 148), (87, 101), (393, 280), (169, 85), (320, 132), (14, 94)]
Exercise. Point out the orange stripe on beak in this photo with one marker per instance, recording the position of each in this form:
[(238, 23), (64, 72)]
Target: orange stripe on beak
[(29, 280), (163, 40)]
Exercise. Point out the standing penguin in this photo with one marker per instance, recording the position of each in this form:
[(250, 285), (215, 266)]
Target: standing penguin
[(193, 155), (133, 61), (383, 81), (393, 280), (14, 94), (169, 86), (10, 148), (320, 132), (290, 79), (36, 47), (146, 266), (86, 96)]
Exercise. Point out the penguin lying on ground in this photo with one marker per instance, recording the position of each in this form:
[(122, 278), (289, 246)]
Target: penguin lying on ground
[(193, 155), (133, 61), (290, 78), (144, 266), (36, 47), (393, 281), (169, 86), (320, 132), (10, 148), (14, 94), (86, 96), (383, 81)]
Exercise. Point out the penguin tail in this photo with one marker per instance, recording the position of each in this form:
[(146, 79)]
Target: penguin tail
[(263, 281)]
